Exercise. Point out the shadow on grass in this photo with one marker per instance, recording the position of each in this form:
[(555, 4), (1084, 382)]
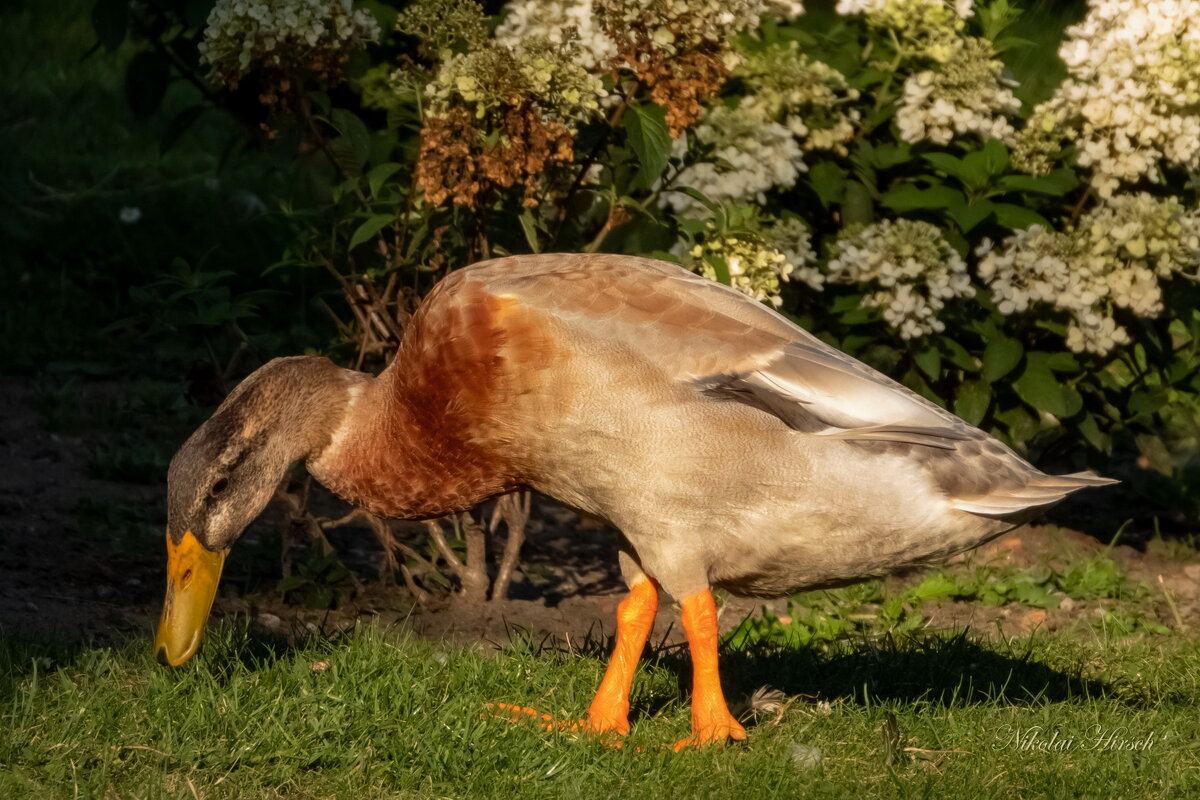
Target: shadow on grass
[(945, 670)]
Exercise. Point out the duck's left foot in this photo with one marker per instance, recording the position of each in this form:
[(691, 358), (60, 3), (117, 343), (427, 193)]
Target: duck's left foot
[(713, 732), (591, 724)]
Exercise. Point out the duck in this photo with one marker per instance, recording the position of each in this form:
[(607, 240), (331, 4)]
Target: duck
[(729, 447)]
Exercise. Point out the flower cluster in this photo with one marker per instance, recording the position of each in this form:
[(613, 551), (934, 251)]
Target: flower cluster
[(910, 268), (810, 98), (538, 71), (747, 157), (757, 261), (924, 28), (499, 115), (441, 25), (553, 20), (680, 49), (1113, 259), (282, 39), (792, 104), (1132, 97), (964, 95)]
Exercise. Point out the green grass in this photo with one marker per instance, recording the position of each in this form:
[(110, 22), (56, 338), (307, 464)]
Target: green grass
[(392, 716)]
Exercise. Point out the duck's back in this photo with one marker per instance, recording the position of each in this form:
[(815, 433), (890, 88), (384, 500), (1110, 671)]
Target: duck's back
[(643, 393)]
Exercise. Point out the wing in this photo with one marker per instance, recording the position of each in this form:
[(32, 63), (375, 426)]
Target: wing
[(725, 344)]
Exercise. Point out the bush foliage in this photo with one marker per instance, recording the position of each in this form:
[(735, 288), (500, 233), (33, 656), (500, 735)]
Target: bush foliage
[(871, 170)]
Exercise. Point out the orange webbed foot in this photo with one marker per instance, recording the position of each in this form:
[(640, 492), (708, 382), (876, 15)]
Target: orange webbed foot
[(715, 732), (593, 723)]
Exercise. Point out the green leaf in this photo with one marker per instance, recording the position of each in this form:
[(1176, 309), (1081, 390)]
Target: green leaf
[(957, 355), (1062, 362), (110, 21), (948, 164), (1000, 356), (344, 157), (935, 587), (828, 180), (972, 400), (975, 167), (1039, 388), (529, 226), (968, 215), (379, 175), (857, 206), (290, 583), (1094, 436), (1021, 426), (1018, 217), (355, 132), (930, 361), (1034, 184), (910, 198), (368, 229), (995, 157), (887, 155), (179, 125), (1146, 401), (146, 82), (721, 268), (700, 197), (649, 139), (1005, 43)]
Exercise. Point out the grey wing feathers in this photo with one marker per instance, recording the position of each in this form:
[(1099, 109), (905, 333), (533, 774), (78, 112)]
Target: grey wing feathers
[(822, 392), (1041, 492)]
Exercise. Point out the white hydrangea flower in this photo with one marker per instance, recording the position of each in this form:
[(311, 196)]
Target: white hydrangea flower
[(749, 158), (550, 19), (1132, 98), (1112, 259), (793, 238), (965, 95), (910, 267), (792, 104), (927, 28), (758, 262), (316, 35), (783, 9)]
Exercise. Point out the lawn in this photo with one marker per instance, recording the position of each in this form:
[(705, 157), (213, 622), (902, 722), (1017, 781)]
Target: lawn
[(380, 713)]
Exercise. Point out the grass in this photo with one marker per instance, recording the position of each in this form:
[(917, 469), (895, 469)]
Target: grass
[(380, 714)]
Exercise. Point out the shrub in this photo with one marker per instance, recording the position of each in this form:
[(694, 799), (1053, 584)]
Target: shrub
[(867, 169)]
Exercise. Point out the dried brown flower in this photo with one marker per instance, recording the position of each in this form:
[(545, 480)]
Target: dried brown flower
[(682, 85), (458, 161)]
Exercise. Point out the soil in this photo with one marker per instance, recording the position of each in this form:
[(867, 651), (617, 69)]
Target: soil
[(71, 570)]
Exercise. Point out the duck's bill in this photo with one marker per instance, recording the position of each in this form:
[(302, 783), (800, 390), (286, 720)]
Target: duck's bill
[(192, 576)]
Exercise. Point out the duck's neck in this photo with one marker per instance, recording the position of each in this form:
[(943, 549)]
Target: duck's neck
[(400, 452)]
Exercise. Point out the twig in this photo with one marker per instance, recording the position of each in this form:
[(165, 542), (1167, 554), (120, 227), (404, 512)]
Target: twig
[(514, 510), (474, 577), (434, 527)]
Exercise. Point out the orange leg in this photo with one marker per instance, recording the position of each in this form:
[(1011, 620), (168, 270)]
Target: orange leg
[(711, 721), (609, 711), (635, 618)]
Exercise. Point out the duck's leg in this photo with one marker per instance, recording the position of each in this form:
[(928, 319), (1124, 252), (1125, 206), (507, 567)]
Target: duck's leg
[(609, 710), (711, 721)]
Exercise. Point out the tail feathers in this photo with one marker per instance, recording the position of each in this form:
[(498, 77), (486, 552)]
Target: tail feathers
[(1022, 501)]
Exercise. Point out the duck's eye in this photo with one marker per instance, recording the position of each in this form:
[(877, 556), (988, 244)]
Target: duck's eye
[(219, 486)]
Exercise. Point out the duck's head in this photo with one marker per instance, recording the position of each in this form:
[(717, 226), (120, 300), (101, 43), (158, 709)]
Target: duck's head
[(226, 473)]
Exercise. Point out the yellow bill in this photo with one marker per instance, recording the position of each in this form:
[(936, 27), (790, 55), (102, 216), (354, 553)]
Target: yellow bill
[(192, 576)]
